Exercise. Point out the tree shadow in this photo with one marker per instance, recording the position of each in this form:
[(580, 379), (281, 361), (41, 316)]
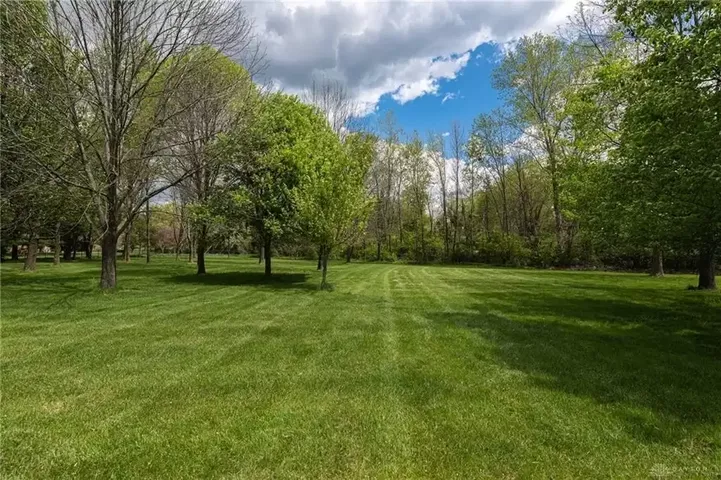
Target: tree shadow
[(277, 281), (628, 356), (52, 283), (694, 315)]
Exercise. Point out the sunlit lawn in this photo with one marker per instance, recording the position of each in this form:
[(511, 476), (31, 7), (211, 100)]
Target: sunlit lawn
[(402, 371)]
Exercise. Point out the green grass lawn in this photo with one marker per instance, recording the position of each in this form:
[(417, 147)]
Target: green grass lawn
[(401, 372)]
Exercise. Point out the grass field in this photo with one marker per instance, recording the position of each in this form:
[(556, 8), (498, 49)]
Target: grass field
[(401, 372)]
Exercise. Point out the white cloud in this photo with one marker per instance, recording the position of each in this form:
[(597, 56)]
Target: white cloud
[(437, 69), (448, 96), (445, 134), (399, 48)]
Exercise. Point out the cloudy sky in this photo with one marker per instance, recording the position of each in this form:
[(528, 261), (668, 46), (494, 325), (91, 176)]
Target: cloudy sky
[(430, 62)]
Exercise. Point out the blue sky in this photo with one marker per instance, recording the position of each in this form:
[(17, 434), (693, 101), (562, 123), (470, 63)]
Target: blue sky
[(459, 99)]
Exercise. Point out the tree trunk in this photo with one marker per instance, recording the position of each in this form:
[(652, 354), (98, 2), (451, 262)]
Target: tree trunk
[(445, 230), (68, 250), (14, 252), (570, 234), (32, 256), (470, 217), (89, 246), (147, 232), (126, 243), (56, 247), (378, 251), (202, 234), (109, 253), (454, 250), (326, 253), (423, 238), (707, 269), (191, 248), (400, 222), (266, 247), (486, 213), (557, 212), (261, 254), (349, 254), (320, 257), (657, 262)]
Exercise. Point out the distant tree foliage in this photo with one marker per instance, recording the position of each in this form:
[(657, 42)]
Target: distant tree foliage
[(144, 126)]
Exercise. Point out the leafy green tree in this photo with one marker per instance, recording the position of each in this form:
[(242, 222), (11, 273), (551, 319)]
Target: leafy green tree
[(535, 77), (34, 155), (264, 166), (331, 198), (672, 119)]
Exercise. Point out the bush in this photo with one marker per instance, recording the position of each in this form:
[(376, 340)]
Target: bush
[(504, 249)]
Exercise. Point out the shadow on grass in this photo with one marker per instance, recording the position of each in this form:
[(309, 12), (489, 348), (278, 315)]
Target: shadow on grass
[(633, 357), (276, 281), (696, 315)]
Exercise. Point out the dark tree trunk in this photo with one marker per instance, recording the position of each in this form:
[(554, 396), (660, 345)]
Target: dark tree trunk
[(31, 259), (707, 269), (326, 253), (378, 251), (75, 249), (423, 237), (349, 254), (261, 254), (126, 243), (556, 196), (202, 233), (109, 253), (147, 232), (486, 218), (320, 257), (56, 246), (89, 246), (568, 251), (657, 262), (266, 247), (68, 250), (14, 252)]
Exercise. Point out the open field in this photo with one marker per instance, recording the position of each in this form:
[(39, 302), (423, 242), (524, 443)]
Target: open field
[(401, 372)]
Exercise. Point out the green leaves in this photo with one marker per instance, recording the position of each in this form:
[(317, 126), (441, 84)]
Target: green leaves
[(673, 116), (270, 161), (331, 198)]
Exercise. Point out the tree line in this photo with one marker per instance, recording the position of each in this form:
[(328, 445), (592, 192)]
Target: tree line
[(145, 123), (601, 155)]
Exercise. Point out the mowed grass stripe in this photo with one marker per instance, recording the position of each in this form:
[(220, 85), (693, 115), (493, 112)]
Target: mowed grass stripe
[(401, 372)]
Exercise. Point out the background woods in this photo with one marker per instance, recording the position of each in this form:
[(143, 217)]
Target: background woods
[(130, 125)]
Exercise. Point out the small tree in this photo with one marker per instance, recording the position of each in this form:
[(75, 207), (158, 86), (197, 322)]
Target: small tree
[(332, 200)]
